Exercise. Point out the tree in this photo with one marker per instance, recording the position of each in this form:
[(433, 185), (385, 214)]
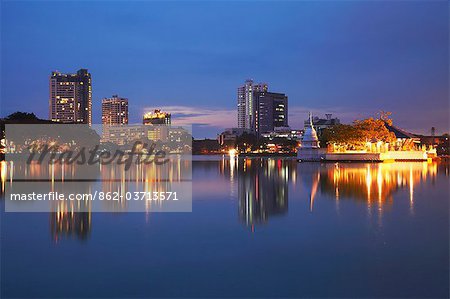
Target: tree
[(246, 140), (358, 134), (347, 136), (22, 116), (374, 130)]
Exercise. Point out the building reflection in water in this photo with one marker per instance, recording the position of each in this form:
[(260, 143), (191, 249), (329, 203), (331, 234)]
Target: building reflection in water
[(3, 170), (375, 184), (142, 178), (65, 221), (70, 224), (263, 188)]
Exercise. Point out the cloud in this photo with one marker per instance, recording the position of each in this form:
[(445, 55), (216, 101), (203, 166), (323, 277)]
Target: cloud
[(211, 117), (218, 117)]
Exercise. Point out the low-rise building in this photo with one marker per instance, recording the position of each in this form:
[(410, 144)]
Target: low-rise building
[(440, 143), (283, 132), (405, 140), (126, 134), (323, 123), (205, 146), (228, 138)]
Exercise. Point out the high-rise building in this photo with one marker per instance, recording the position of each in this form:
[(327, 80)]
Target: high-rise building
[(115, 111), (270, 111), (70, 99), (157, 117), (246, 119)]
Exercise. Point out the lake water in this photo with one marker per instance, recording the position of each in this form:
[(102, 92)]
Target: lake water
[(258, 228)]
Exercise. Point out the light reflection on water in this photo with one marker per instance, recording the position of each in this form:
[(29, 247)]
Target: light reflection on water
[(270, 227), (261, 186)]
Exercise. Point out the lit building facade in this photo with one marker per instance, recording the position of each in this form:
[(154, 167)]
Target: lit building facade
[(157, 117), (245, 102), (115, 111), (128, 134), (70, 99), (270, 111), (121, 135)]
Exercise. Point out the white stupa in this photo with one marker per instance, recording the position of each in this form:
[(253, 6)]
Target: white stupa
[(310, 149), (309, 139)]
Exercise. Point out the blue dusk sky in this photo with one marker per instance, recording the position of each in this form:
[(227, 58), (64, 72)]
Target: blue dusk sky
[(348, 58)]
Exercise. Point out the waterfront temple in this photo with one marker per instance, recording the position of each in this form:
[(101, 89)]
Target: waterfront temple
[(310, 149)]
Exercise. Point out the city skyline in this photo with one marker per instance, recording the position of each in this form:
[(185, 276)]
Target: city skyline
[(327, 57)]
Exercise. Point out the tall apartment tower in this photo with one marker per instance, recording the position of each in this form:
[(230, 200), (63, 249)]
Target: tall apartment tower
[(245, 93), (70, 99), (270, 110), (115, 111)]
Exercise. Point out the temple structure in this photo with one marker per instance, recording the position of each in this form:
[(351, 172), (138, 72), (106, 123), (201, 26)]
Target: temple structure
[(309, 139), (309, 149)]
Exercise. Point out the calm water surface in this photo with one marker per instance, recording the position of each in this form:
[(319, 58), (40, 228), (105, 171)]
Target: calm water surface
[(259, 228)]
